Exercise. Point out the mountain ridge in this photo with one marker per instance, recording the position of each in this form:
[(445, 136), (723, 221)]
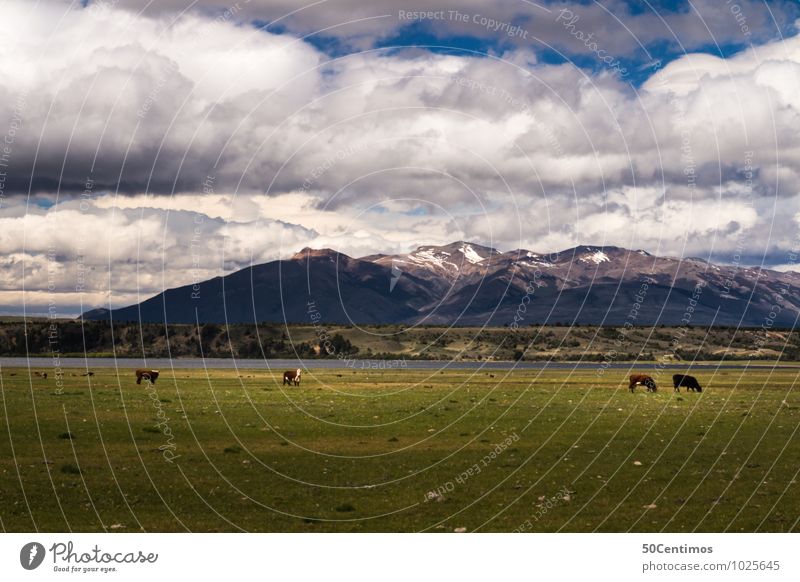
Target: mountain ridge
[(465, 283)]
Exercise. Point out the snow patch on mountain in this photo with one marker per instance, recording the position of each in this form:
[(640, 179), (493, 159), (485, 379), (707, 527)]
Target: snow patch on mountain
[(534, 260), (532, 263), (470, 254), (430, 258), (596, 258)]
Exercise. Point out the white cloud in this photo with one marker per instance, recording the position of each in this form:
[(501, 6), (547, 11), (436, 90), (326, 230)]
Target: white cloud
[(97, 254)]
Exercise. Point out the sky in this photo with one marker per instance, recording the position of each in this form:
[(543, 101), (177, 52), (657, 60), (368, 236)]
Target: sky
[(147, 145)]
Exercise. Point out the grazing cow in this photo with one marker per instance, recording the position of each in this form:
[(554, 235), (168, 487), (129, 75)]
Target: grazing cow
[(642, 379), (291, 377), (149, 375), (690, 382), (42, 375)]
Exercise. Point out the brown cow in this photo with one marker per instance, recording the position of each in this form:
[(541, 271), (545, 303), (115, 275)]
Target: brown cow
[(292, 377), (149, 375), (642, 379)]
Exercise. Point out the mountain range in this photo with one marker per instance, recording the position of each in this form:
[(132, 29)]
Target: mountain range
[(469, 284)]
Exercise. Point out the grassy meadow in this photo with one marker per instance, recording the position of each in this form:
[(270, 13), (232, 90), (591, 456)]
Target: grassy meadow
[(398, 450)]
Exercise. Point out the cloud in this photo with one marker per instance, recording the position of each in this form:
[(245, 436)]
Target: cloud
[(94, 254), (139, 103), (158, 105)]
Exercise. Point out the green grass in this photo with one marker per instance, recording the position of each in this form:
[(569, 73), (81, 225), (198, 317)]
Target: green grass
[(365, 450)]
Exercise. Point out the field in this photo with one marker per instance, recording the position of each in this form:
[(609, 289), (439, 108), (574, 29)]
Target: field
[(399, 450)]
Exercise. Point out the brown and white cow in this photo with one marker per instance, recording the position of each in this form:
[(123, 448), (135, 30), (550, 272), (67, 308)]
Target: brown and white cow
[(642, 379), (149, 375), (292, 377)]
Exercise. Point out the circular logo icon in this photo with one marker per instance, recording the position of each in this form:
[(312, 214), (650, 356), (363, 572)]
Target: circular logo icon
[(31, 555)]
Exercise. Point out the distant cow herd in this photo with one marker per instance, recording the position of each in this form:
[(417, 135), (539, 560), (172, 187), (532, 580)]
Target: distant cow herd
[(678, 380), (292, 378)]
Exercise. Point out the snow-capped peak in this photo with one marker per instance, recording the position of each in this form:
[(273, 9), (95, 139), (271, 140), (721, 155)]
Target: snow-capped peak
[(470, 254), (597, 258)]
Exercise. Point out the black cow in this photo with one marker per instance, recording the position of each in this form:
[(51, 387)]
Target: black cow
[(690, 382)]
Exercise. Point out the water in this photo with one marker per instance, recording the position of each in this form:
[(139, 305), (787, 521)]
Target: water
[(44, 364)]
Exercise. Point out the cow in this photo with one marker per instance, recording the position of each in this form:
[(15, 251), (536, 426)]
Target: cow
[(149, 375), (292, 377), (42, 375), (690, 382), (642, 379)]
